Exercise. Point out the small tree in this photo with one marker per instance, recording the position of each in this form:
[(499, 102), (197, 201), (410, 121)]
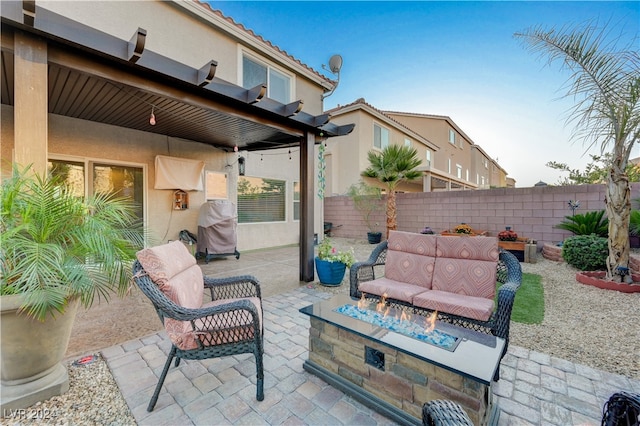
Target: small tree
[(605, 82), (391, 166), (595, 172), (366, 199)]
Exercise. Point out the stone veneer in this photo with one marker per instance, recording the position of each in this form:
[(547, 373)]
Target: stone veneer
[(406, 383)]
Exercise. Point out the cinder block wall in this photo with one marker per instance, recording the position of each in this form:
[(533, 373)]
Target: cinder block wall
[(531, 212)]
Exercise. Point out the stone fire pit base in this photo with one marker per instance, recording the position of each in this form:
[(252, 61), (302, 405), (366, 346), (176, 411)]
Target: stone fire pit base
[(347, 361)]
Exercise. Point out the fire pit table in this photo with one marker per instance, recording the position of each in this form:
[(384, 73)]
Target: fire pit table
[(394, 365)]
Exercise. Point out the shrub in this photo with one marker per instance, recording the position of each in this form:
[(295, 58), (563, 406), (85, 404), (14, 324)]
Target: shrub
[(586, 224), (634, 223), (586, 252)]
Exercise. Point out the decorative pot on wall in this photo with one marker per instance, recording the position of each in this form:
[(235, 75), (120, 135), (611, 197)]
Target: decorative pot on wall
[(330, 273)]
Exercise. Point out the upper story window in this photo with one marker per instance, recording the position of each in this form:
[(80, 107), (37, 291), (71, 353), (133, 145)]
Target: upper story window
[(380, 137), (255, 73), (452, 136), (407, 142), (428, 158), (459, 171)]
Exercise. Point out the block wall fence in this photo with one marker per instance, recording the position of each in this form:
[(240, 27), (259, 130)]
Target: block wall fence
[(531, 212)]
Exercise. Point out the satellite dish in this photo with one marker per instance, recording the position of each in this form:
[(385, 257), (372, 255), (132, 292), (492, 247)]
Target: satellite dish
[(335, 64)]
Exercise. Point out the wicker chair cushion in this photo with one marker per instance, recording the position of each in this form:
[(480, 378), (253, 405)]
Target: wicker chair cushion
[(227, 327), (394, 289), (478, 308), (176, 273)]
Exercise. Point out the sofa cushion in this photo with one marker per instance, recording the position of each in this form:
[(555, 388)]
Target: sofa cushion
[(410, 242), (471, 248), (394, 289), (410, 258), (475, 278), (478, 308), (184, 337)]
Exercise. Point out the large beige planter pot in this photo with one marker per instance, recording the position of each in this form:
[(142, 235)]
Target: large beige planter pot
[(31, 352)]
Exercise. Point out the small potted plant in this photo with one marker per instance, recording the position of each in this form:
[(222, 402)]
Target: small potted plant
[(463, 228), (427, 230), (367, 200), (507, 235), (332, 263)]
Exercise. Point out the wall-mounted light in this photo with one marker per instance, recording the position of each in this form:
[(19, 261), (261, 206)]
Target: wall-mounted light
[(152, 119), (241, 166)]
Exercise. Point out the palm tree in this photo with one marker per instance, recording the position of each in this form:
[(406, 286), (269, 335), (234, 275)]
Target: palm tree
[(606, 83), (393, 165)]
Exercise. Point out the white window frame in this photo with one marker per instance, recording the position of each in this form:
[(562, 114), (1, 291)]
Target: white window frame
[(452, 137), (383, 130), (449, 165), (428, 157), (269, 68), (459, 171), (407, 142), (294, 201)]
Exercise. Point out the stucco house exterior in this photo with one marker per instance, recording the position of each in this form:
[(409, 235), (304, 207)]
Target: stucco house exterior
[(105, 92), (450, 159)]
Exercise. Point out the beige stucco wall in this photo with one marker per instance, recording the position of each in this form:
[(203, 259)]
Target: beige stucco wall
[(186, 38), (82, 140)]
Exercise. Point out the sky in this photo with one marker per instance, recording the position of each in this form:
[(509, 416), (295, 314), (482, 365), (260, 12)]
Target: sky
[(454, 58)]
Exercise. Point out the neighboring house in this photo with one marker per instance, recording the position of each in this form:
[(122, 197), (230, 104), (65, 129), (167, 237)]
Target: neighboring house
[(450, 159), (148, 98), (346, 156)]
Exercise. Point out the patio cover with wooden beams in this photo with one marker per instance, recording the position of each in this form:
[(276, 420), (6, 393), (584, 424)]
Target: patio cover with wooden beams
[(97, 77)]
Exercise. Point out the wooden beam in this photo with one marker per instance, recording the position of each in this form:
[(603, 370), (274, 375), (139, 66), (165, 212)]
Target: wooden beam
[(255, 94), (206, 73), (136, 45), (29, 12), (292, 109), (306, 206)]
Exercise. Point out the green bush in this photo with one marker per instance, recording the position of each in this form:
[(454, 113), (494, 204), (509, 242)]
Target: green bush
[(586, 252), (586, 224)]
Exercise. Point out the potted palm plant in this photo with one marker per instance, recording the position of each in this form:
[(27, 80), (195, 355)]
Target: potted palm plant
[(367, 200), (57, 251)]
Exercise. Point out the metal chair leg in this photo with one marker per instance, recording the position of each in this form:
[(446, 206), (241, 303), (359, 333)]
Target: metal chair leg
[(167, 364)]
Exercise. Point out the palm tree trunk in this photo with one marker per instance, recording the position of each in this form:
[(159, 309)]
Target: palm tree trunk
[(618, 207), (391, 212)]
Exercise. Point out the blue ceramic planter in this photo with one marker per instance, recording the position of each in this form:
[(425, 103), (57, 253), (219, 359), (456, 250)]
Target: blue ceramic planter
[(330, 273)]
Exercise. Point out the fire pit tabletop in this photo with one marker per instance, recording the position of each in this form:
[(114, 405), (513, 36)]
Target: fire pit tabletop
[(477, 355)]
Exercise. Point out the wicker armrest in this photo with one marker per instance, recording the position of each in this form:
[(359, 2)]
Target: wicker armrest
[(441, 412), (622, 408), (364, 271), (233, 287)]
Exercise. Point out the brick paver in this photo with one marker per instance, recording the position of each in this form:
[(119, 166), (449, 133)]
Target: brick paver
[(534, 388)]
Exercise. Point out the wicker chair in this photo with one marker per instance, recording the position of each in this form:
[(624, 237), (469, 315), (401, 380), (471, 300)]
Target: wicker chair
[(442, 412), (622, 409), (509, 273), (228, 325)]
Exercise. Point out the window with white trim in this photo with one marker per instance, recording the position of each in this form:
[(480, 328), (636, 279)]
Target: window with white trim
[(278, 83), (459, 171), (380, 137), (452, 137), (216, 185), (467, 175), (428, 157), (407, 142), (261, 200), (296, 200), (449, 165)]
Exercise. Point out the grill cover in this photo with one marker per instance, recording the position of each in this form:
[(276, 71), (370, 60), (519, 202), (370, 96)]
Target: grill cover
[(217, 227)]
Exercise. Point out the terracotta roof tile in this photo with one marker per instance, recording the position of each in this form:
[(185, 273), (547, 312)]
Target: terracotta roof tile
[(261, 39)]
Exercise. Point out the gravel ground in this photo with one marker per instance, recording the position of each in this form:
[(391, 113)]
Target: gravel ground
[(583, 324)]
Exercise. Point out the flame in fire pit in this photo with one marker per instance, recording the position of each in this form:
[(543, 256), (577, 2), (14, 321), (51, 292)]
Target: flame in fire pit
[(431, 322)]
